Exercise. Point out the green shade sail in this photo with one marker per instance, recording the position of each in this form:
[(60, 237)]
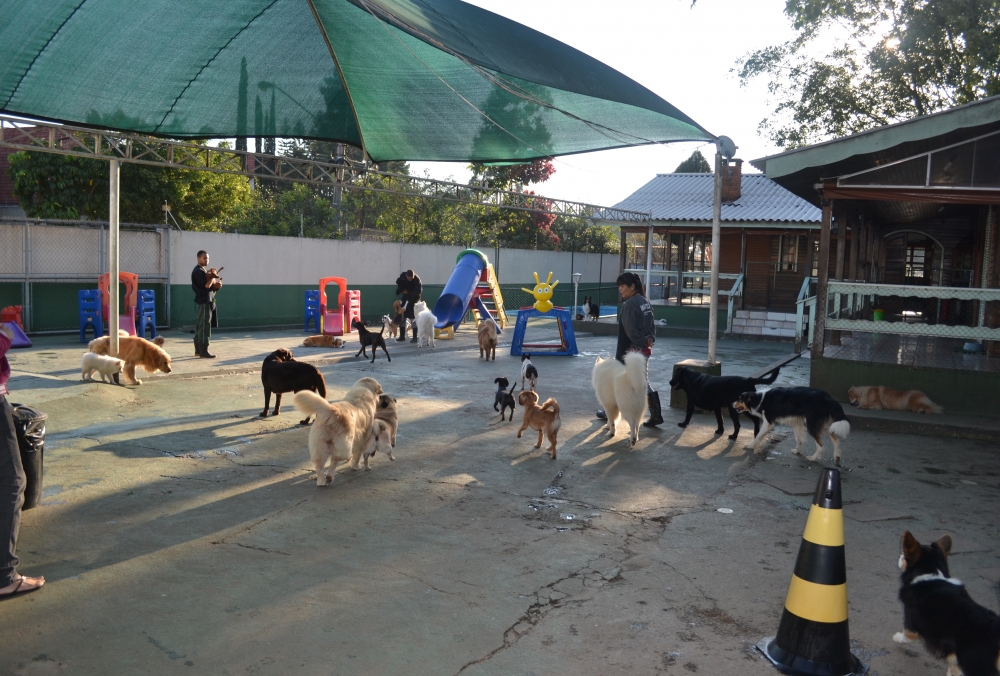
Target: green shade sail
[(403, 79)]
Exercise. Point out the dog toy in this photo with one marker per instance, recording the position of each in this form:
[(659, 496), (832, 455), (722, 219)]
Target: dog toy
[(542, 293)]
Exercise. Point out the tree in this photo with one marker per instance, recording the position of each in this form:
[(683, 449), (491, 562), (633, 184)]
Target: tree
[(696, 164), (896, 59)]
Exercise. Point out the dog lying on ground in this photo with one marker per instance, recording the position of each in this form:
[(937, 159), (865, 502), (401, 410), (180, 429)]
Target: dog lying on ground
[(878, 397), (544, 418), (591, 309), (938, 609), (804, 409), (712, 393), (322, 341), (341, 428), (487, 338), (366, 338), (425, 324), (281, 373), (503, 398), (106, 367), (621, 389), (383, 435), (528, 371), (134, 351)]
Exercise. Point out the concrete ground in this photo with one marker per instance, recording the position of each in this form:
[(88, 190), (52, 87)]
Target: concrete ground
[(181, 533)]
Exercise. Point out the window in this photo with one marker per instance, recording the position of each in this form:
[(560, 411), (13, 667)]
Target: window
[(915, 260), (788, 253)]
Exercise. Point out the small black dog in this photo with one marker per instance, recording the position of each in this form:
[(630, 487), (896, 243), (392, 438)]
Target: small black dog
[(938, 609), (712, 393), (503, 398), (280, 373), (592, 309), (528, 371), (367, 338)]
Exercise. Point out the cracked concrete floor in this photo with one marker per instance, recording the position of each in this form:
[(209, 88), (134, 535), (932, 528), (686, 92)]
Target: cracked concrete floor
[(180, 533)]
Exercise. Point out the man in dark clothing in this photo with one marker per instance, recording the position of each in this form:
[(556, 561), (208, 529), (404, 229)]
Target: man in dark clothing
[(204, 302), (409, 288), (636, 333)]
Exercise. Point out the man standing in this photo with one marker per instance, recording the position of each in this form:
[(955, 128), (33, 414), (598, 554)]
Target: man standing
[(636, 333), (409, 288), (204, 301)]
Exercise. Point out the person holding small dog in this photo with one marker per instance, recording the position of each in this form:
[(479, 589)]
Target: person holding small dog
[(409, 288), (12, 485), (205, 283), (636, 332)]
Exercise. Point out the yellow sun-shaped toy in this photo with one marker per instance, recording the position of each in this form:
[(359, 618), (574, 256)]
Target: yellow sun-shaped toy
[(542, 293)]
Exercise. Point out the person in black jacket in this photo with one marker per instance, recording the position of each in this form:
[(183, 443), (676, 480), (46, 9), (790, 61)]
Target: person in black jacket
[(409, 288), (636, 333), (204, 303)]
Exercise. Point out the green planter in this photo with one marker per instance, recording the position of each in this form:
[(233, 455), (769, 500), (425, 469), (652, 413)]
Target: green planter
[(878, 315)]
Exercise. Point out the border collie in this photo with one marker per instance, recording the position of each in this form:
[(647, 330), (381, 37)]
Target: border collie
[(804, 409), (591, 309)]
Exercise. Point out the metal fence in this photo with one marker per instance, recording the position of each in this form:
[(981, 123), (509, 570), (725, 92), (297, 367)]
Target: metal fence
[(34, 252)]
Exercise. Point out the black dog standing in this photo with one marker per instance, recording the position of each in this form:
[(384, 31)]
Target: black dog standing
[(280, 373), (712, 393), (503, 398), (367, 338)]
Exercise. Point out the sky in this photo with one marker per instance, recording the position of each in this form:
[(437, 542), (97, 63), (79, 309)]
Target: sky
[(682, 53)]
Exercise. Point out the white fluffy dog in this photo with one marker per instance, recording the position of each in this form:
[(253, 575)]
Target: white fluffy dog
[(425, 324), (106, 367), (622, 389), (342, 428)]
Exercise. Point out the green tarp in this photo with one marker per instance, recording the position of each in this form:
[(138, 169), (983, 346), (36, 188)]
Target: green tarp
[(404, 79)]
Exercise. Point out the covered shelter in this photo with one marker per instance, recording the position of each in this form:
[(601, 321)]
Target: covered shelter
[(908, 292)]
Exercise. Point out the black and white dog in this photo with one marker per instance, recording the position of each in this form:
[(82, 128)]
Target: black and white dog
[(804, 409), (591, 309), (528, 371), (503, 398), (712, 393), (938, 609)]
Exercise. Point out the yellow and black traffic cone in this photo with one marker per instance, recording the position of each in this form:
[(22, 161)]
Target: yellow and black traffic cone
[(813, 639)]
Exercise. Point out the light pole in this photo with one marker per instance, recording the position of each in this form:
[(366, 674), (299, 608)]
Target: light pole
[(576, 291), (725, 149)]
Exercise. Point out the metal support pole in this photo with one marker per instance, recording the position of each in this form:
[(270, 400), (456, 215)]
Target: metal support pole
[(26, 318), (649, 256), (166, 292), (112, 319), (713, 307), (822, 278)]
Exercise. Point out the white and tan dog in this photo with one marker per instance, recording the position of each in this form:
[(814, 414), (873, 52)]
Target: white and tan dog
[(621, 388), (104, 366), (425, 324), (341, 428), (383, 434)]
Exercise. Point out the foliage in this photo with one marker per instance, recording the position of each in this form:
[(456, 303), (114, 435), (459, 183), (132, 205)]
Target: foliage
[(696, 164), (895, 59)]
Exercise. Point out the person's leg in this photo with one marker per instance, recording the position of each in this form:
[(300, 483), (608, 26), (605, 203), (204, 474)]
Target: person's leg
[(653, 400), (203, 330), (199, 327), (12, 483), (407, 315)]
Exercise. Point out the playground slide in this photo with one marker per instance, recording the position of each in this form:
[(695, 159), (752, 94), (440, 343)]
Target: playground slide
[(20, 340), (454, 301)]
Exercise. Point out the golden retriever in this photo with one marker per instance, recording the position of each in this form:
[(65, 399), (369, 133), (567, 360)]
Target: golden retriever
[(879, 397), (134, 351), (488, 339), (341, 428), (322, 341), (544, 418), (102, 342)]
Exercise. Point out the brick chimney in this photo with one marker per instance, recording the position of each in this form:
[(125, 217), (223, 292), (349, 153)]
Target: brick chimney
[(732, 180)]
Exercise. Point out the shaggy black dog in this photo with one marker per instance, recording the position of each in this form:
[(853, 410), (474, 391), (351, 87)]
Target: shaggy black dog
[(280, 373), (712, 393), (367, 338)]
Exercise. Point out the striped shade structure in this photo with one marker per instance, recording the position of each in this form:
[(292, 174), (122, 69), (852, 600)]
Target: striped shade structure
[(813, 638)]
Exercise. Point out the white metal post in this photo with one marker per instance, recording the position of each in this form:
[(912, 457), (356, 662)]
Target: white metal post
[(576, 292), (112, 319), (713, 307), (649, 257)]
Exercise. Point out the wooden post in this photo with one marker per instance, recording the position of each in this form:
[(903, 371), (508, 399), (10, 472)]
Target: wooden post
[(852, 273), (839, 270), (713, 299), (822, 279)]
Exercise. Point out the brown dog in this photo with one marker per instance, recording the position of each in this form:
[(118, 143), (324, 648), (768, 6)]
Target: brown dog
[(322, 341), (879, 397), (544, 418), (135, 351), (488, 339), (383, 434), (397, 319)]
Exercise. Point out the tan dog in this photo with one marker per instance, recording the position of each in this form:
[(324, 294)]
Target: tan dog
[(322, 341), (341, 428), (134, 351), (879, 397), (397, 319), (544, 418), (488, 339), (383, 435), (98, 344)]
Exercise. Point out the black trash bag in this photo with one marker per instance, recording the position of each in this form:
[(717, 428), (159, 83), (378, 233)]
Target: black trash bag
[(29, 425)]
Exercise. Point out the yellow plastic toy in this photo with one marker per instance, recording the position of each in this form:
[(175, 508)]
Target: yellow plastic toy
[(542, 293)]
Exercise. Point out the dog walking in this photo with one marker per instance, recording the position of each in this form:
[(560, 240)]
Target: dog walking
[(205, 281), (409, 288), (636, 333)]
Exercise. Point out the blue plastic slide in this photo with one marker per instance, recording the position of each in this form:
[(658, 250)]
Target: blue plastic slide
[(454, 301)]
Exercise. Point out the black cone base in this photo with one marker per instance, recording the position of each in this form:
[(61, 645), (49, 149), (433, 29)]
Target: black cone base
[(787, 663)]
